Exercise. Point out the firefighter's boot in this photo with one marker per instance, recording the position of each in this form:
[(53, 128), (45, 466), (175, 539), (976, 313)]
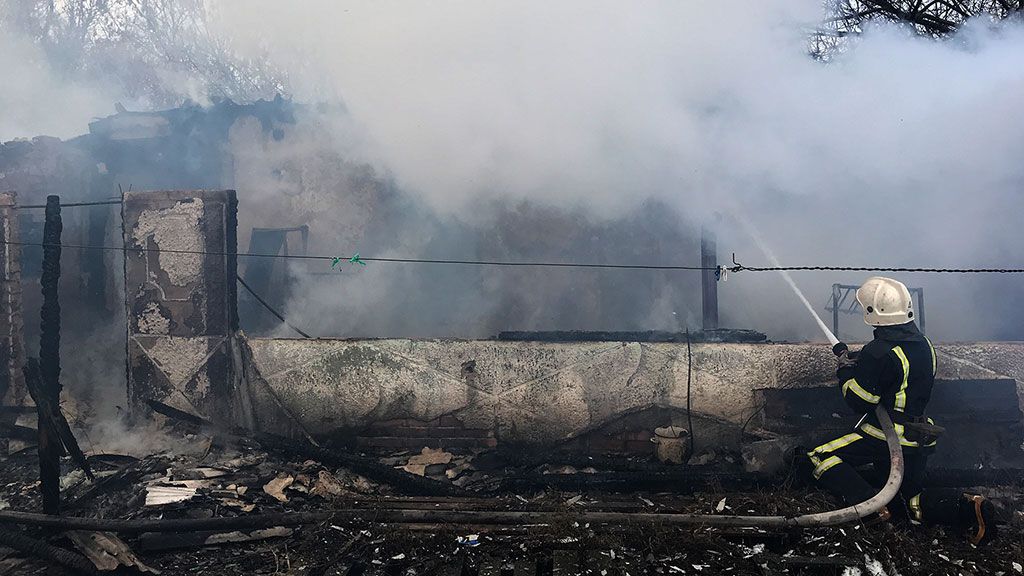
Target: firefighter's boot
[(979, 516)]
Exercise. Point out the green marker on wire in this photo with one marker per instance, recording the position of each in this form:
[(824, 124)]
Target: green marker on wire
[(353, 260)]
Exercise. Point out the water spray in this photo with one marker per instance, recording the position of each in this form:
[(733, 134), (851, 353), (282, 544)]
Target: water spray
[(837, 347), (840, 349)]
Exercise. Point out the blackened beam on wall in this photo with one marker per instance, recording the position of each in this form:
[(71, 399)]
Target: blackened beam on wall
[(709, 281)]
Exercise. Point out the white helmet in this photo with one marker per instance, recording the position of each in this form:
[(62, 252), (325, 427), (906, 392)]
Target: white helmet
[(886, 302)]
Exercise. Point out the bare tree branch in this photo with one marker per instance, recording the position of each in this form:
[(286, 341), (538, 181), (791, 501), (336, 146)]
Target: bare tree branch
[(937, 18)]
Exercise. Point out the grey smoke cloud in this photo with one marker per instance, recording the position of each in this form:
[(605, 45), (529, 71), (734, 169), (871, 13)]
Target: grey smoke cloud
[(36, 100), (902, 151), (607, 131), (591, 102)]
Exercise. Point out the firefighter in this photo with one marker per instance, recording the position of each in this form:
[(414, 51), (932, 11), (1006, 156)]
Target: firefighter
[(896, 369)]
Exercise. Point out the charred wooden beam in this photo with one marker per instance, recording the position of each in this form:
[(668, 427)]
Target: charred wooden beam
[(17, 409), (51, 418), (15, 432), (155, 541), (179, 415), (48, 552), (126, 475), (682, 481)]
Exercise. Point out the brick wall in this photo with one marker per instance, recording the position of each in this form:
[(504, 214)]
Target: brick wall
[(408, 434), (12, 345)]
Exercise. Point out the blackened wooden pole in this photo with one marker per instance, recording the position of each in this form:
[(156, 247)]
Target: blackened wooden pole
[(49, 356), (709, 280)]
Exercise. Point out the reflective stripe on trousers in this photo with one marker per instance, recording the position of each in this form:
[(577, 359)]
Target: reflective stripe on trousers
[(876, 433), (915, 508), (823, 465)]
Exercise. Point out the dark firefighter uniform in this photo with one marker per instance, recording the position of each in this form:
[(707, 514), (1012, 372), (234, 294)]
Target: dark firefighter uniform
[(897, 370)]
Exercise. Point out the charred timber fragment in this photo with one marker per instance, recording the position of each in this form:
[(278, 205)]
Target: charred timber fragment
[(15, 432), (399, 479), (52, 419), (179, 415), (42, 550), (404, 481), (126, 475), (50, 448)]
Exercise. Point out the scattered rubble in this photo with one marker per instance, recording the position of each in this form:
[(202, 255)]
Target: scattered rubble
[(106, 551), (430, 462), (277, 486), (236, 478), (160, 495)]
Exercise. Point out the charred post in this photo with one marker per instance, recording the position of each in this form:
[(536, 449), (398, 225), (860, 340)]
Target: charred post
[(49, 339), (49, 357), (49, 444)]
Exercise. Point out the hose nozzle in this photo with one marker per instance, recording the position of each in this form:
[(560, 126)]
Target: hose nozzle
[(840, 348)]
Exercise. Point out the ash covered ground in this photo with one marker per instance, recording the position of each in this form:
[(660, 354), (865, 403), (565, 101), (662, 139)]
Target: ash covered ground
[(211, 475)]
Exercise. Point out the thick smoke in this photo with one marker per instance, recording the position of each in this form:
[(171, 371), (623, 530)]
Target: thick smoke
[(900, 152), (35, 100), (593, 131)]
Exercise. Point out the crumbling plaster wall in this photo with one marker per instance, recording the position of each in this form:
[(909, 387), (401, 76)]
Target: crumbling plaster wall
[(184, 349), (180, 295), (544, 392)]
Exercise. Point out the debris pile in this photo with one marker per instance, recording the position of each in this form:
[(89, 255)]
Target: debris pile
[(377, 522)]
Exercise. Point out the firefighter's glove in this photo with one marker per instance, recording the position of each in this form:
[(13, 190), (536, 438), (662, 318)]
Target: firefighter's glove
[(846, 366)]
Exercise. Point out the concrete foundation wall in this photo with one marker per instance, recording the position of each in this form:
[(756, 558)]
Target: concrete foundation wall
[(547, 392), (184, 349)]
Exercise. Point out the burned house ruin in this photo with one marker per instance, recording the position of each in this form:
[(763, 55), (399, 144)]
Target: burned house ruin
[(195, 343), (171, 295)]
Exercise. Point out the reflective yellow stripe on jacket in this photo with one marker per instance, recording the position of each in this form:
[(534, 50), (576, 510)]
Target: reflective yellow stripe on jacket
[(934, 359), (901, 396), (852, 385)]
